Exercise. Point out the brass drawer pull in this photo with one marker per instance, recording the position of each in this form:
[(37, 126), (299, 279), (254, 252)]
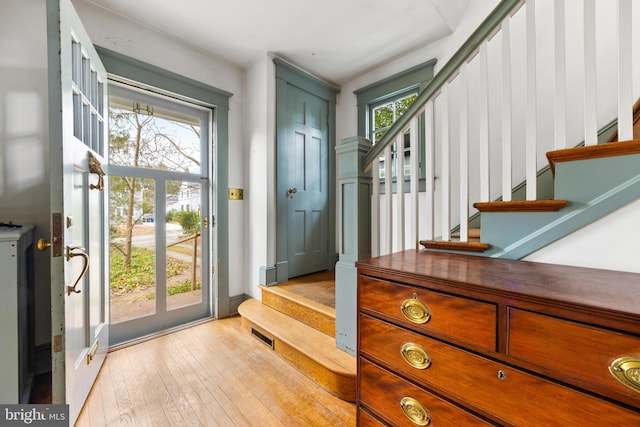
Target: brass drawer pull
[(414, 411), (415, 311), (415, 355), (627, 371)]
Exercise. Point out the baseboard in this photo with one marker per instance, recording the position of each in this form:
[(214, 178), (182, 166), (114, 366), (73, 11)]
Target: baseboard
[(235, 301)]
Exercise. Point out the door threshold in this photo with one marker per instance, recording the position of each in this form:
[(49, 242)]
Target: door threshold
[(159, 334)]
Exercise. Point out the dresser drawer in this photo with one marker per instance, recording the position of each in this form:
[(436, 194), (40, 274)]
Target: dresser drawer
[(457, 317), (572, 350), (489, 386), (365, 419), (384, 391)]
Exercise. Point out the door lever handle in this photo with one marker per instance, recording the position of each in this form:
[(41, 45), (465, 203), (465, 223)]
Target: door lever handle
[(85, 267), (96, 167)]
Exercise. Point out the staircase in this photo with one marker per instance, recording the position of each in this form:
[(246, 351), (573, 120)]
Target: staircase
[(590, 182), (297, 320)]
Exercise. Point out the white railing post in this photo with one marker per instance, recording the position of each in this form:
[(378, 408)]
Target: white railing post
[(429, 170), (506, 110), (531, 136), (399, 220), (445, 202), (590, 75), (414, 186), (560, 79), (625, 74), (464, 155), (354, 234)]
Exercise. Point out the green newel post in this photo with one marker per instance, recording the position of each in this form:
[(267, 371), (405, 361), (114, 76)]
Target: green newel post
[(354, 234)]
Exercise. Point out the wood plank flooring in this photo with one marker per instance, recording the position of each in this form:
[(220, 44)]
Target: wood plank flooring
[(211, 374)]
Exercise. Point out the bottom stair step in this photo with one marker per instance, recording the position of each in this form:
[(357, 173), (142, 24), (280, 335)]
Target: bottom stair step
[(312, 352), (473, 245)]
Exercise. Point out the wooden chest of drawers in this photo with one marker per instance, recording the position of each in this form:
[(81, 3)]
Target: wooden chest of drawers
[(449, 340)]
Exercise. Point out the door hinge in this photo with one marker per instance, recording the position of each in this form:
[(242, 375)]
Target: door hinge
[(213, 221)]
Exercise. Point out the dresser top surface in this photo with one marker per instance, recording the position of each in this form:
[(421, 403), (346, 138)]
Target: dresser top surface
[(611, 290)]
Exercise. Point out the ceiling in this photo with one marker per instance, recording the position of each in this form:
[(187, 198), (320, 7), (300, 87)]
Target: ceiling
[(334, 39)]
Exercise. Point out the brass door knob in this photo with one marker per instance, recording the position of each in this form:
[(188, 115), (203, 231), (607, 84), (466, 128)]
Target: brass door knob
[(43, 245)]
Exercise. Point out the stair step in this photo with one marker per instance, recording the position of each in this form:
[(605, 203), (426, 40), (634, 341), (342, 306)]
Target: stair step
[(473, 245), (609, 149), (521, 206), (303, 309), (471, 233), (312, 352)]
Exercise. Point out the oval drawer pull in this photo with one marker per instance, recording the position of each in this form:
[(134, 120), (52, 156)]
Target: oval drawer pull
[(415, 355), (415, 311), (415, 411), (627, 371)]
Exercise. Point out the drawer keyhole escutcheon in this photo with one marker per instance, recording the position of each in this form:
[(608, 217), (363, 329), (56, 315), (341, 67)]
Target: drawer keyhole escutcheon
[(415, 355), (627, 371), (502, 375), (415, 411), (415, 311)]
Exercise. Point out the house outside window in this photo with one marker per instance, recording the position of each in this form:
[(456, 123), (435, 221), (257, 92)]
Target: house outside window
[(381, 103), (382, 115)]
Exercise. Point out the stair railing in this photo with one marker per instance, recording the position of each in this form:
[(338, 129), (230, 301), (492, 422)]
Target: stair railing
[(488, 120), (537, 75)]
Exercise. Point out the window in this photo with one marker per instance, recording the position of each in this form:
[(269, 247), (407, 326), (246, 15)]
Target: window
[(381, 103), (381, 116)]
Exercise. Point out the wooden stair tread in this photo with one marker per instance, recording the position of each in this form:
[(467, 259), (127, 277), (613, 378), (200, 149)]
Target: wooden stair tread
[(609, 149), (473, 245), (521, 206), (283, 292), (301, 308), (310, 351)]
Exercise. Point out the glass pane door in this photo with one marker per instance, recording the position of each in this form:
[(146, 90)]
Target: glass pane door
[(159, 196)]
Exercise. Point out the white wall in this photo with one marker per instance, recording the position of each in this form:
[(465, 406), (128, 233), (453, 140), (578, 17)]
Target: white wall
[(24, 139), (260, 171), (442, 50), (609, 243)]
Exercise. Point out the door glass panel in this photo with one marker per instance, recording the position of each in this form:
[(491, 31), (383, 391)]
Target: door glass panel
[(160, 141), (132, 250), (184, 242), (164, 139)]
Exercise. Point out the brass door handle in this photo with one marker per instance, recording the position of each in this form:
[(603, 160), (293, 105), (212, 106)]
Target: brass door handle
[(96, 167), (43, 245), (291, 192), (85, 267)]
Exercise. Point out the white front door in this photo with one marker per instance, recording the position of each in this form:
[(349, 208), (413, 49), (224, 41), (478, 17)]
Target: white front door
[(79, 291)]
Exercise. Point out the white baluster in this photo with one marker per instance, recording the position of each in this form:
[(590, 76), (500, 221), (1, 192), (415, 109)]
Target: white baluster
[(445, 203), (531, 120), (560, 76), (506, 110), (429, 173), (375, 210), (483, 117), (414, 181), (388, 206), (400, 220), (590, 78), (464, 154), (625, 67)]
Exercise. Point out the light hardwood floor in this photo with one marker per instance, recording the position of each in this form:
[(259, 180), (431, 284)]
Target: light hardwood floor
[(211, 374)]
